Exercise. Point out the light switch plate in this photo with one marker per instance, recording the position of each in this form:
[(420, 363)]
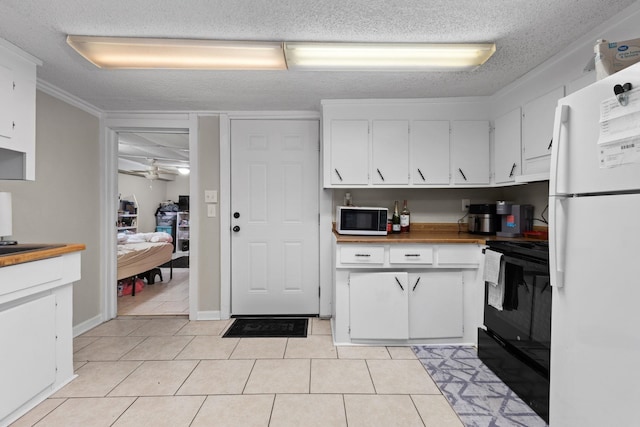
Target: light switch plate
[(210, 196), (211, 211)]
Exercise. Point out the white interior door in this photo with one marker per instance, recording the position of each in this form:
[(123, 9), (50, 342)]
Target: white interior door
[(275, 211)]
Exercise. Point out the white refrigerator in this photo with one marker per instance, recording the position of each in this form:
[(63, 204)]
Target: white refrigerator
[(594, 256)]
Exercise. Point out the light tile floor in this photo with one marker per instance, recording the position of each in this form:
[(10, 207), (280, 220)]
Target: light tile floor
[(166, 297), (168, 371)]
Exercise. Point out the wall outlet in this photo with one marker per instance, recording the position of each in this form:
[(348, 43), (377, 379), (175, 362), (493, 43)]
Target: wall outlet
[(465, 204)]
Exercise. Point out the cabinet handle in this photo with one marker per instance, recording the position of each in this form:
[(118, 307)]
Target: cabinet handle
[(462, 173), (416, 285), (380, 173), (338, 173), (421, 176), (414, 255), (363, 255), (399, 284), (550, 144), (512, 169)]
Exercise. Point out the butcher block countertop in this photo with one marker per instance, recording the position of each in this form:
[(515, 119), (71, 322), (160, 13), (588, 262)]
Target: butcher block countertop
[(35, 252), (425, 233)]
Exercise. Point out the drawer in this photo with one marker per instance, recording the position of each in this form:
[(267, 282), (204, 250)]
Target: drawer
[(467, 255), (361, 254), (411, 254)]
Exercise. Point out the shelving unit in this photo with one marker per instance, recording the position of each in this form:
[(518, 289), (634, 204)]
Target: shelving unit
[(182, 233), (128, 215)]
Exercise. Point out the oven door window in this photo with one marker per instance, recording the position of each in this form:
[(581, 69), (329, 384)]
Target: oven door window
[(525, 321)]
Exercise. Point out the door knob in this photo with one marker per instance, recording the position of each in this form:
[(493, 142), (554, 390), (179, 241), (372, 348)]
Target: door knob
[(236, 228), (236, 215)]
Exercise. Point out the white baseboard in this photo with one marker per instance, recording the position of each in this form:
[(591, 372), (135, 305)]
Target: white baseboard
[(87, 325), (209, 315)]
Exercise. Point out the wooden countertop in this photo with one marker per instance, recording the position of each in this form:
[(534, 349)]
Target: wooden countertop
[(426, 233), (37, 251)]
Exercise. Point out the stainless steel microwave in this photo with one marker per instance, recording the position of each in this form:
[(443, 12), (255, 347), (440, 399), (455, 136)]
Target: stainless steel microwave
[(361, 220)]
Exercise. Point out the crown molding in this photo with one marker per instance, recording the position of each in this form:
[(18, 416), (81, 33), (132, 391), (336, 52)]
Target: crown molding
[(65, 96)]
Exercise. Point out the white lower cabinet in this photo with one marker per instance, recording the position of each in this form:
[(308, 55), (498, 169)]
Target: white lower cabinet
[(436, 304), (378, 305), (399, 305), (403, 294)]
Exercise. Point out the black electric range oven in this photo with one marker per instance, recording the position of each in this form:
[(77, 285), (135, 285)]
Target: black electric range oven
[(516, 344)]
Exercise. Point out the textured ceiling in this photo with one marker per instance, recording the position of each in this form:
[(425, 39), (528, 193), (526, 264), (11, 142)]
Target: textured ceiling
[(526, 33)]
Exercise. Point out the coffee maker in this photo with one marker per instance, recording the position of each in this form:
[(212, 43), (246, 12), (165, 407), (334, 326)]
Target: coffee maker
[(515, 219)]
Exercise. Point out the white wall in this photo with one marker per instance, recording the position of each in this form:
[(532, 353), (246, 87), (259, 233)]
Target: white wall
[(177, 187), (63, 204), (150, 194)]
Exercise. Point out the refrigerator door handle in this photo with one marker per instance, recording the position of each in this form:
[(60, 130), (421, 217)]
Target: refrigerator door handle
[(557, 239), (557, 185)]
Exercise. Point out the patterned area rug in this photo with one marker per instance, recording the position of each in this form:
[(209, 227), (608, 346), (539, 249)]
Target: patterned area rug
[(477, 395)]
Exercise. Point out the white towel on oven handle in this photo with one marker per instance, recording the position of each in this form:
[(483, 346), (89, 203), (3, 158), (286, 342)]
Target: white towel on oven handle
[(495, 291), (494, 275), (492, 266)]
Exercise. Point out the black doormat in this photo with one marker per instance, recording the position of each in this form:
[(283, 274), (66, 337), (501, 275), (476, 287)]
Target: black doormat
[(258, 327)]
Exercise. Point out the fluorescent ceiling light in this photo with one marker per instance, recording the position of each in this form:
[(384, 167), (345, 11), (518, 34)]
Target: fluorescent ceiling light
[(386, 56), (140, 53)]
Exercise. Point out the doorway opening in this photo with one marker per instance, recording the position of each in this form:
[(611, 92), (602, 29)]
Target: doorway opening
[(153, 207)]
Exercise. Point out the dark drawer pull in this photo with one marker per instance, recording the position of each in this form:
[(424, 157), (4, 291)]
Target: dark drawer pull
[(421, 176), (380, 173), (462, 173), (414, 286), (412, 255), (338, 173), (363, 255), (399, 284), (512, 169)]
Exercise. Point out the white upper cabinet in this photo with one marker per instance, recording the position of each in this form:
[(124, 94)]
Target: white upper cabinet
[(6, 102), (470, 152), (537, 132), (390, 141), (507, 162), (429, 152), (349, 145), (17, 113)]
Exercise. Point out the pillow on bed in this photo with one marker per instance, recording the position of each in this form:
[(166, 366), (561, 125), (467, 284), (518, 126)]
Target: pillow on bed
[(160, 236)]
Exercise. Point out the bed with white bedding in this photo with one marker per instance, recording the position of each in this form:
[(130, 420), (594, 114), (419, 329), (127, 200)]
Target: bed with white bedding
[(141, 252)]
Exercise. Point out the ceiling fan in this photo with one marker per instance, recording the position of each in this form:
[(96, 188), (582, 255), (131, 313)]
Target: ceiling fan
[(156, 170)]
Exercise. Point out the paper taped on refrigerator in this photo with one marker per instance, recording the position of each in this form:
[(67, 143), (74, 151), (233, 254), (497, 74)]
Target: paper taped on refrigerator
[(619, 139)]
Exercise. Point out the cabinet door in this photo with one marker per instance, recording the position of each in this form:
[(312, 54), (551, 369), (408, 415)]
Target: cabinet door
[(537, 125), (390, 152), (349, 152), (6, 98), (435, 304), (378, 305), (429, 152), (507, 147), (470, 152), (28, 336)]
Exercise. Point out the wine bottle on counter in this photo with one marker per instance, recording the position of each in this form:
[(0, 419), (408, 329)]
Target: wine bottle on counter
[(395, 220), (404, 218)]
